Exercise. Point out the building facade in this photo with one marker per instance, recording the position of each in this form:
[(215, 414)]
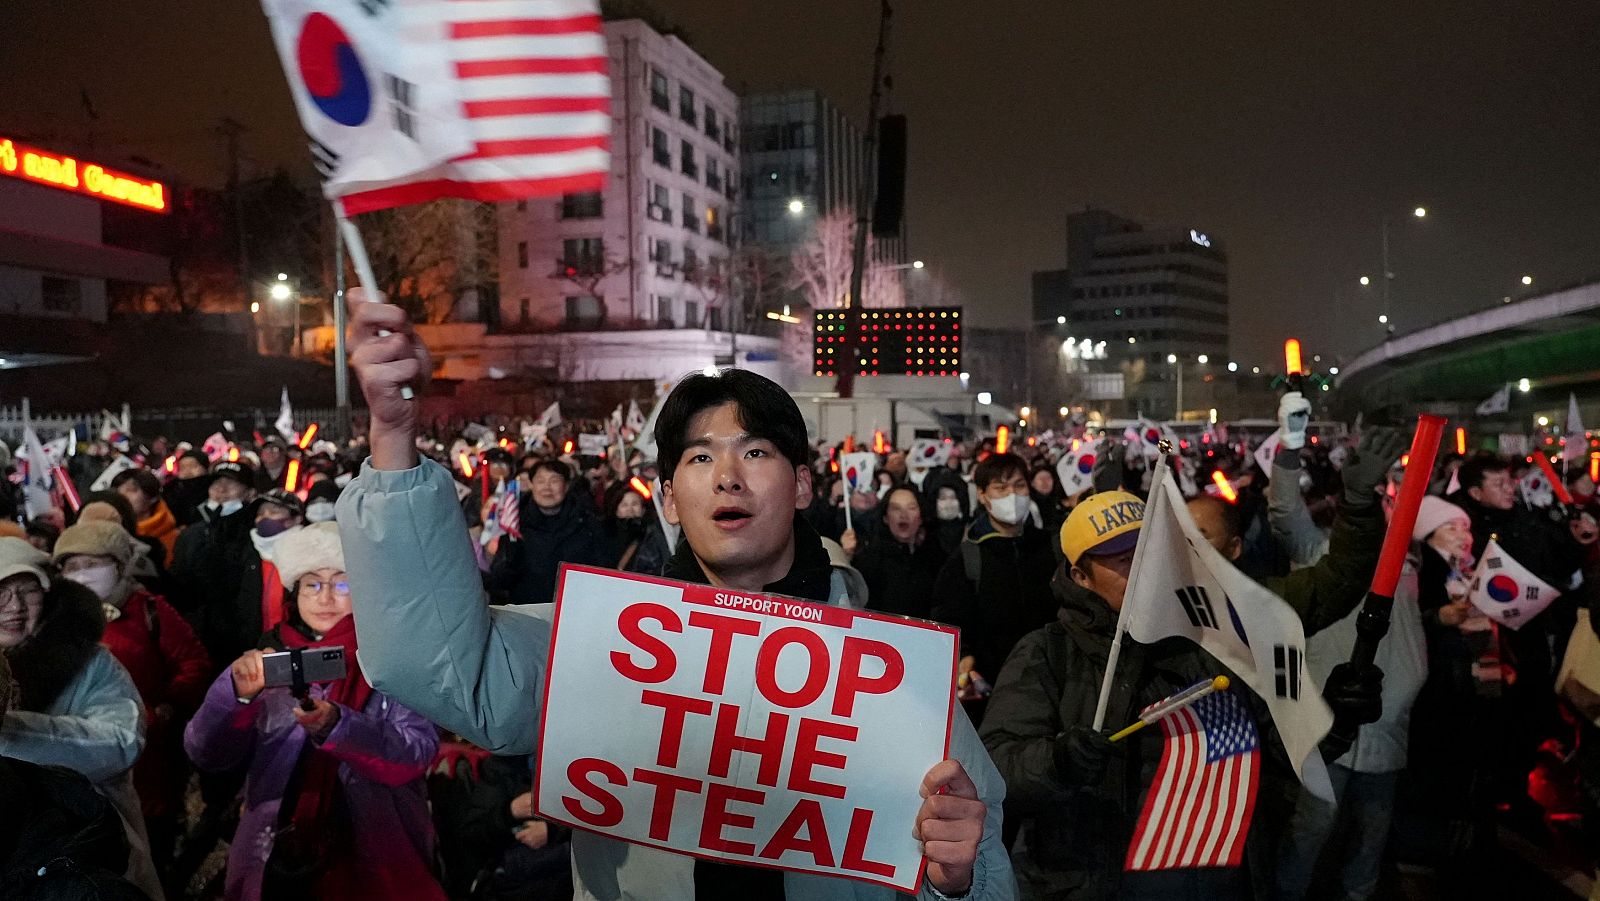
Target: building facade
[(802, 159), (651, 250)]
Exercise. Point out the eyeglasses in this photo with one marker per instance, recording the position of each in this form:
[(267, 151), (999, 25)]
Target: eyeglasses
[(314, 587), (30, 594)]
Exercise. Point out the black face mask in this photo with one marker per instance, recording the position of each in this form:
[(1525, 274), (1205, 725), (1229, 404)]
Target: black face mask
[(631, 526)]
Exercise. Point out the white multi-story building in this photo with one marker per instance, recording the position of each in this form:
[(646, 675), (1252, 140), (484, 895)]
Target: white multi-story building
[(649, 252)]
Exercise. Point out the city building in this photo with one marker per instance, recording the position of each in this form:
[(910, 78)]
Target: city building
[(72, 230), (650, 251), (1146, 292)]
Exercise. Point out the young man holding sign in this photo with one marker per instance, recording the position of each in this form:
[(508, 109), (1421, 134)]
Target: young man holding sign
[(733, 476)]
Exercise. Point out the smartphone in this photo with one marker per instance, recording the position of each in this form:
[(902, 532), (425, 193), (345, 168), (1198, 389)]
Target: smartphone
[(318, 665)]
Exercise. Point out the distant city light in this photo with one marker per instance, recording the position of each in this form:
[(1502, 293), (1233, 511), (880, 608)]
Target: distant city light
[(1420, 212), (1132, 340), (1544, 420), (280, 291), (1527, 279), (1233, 367), (1524, 386), (283, 276), (1383, 319), (255, 306), (1255, 370), (1061, 320), (917, 264), (1063, 411), (1203, 359), (1172, 358), (1333, 370), (1365, 280), (985, 397), (797, 206), (1324, 387)]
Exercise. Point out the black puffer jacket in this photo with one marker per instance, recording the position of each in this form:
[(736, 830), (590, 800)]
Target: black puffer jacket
[(524, 572), (70, 844), (901, 578), (1010, 598)]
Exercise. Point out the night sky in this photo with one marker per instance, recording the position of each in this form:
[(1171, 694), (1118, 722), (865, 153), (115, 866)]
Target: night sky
[(1287, 130)]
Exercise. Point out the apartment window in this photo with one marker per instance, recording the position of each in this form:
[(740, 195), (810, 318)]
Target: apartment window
[(582, 311), (689, 167), (61, 295), (713, 174), (659, 205), (712, 130), (728, 142), (686, 105), (714, 223), (588, 205), (586, 255), (664, 310), (658, 91), (691, 263), (660, 148), (691, 314), (660, 251), (691, 214), (522, 254), (714, 317)]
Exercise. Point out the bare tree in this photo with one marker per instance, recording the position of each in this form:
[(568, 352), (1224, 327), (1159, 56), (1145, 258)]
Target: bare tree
[(588, 274), (820, 268), (427, 257)]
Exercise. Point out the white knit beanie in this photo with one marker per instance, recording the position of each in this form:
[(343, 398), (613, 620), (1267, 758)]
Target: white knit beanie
[(1434, 512), (308, 549)]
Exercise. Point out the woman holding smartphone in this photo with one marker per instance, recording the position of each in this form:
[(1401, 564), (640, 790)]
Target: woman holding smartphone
[(334, 803)]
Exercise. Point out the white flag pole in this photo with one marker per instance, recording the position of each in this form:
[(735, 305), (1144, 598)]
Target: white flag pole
[(1157, 484), (363, 267)]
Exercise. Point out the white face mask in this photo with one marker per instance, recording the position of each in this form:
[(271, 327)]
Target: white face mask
[(101, 579), (1009, 509), (264, 546), (319, 511), (227, 508), (947, 509)]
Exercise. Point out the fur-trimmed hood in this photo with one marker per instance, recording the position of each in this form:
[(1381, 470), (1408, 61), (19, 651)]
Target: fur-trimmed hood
[(70, 626)]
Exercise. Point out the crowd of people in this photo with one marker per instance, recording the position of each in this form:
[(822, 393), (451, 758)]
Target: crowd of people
[(147, 719)]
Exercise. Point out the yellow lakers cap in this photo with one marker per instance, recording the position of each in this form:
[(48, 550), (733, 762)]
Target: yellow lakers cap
[(1105, 523)]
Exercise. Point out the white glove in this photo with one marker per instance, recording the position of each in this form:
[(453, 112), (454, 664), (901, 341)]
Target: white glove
[(1294, 412)]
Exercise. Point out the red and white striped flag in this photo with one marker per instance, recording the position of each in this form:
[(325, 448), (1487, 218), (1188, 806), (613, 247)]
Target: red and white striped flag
[(1198, 811), (509, 512), (407, 101)]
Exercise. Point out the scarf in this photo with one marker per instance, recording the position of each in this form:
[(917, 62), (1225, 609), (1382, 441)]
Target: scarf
[(320, 770)]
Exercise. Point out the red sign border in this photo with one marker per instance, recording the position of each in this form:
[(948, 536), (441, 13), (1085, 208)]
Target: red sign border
[(544, 711)]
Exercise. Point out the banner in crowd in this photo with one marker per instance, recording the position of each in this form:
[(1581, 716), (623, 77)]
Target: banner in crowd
[(592, 444), (742, 727), (927, 452), (1180, 586), (1506, 591), (1075, 469)]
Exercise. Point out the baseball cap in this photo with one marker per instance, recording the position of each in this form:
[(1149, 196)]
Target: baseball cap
[(288, 500), (1102, 524), (243, 473)]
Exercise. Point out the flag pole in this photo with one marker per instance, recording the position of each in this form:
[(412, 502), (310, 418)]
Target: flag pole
[(1157, 483), (363, 266)]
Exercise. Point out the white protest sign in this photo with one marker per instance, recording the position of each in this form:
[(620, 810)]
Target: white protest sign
[(753, 729)]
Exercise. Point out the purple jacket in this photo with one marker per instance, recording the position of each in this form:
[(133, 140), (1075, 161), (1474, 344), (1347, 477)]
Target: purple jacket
[(385, 752)]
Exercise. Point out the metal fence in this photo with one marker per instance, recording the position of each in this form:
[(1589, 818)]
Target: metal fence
[(191, 424)]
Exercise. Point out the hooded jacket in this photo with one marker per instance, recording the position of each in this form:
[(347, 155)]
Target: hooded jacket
[(525, 571), (80, 710), (429, 640), (1010, 598)]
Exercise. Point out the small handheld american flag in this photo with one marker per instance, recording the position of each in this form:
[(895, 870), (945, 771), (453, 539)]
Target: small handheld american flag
[(509, 512), (1198, 810)]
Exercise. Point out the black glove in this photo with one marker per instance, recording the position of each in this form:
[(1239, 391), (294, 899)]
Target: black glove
[(1081, 754), (1368, 464), (1355, 693)]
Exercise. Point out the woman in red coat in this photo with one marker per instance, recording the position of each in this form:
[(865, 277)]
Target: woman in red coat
[(159, 649)]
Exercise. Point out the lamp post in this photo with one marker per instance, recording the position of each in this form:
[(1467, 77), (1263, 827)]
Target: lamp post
[(1387, 275), (1177, 364), (281, 292)]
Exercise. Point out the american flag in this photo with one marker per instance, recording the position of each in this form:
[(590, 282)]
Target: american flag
[(509, 512), (407, 101), (1198, 811)]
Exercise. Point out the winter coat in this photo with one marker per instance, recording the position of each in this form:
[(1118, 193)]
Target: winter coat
[(384, 751), (63, 840), (184, 497), (208, 567), (162, 527), (1010, 598), (490, 855), (80, 710), (482, 667), (170, 668), (525, 571), (901, 578)]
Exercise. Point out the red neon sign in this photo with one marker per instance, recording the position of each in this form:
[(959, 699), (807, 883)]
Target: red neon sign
[(70, 174)]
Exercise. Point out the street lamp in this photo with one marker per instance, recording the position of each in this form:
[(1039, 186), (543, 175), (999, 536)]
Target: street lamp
[(279, 291), (1365, 281), (1527, 280), (1388, 274), (1233, 367), (1202, 359), (1420, 212), (1061, 320), (797, 206), (917, 264), (255, 306), (1524, 386), (1177, 412), (1333, 370), (1383, 319), (1064, 411)]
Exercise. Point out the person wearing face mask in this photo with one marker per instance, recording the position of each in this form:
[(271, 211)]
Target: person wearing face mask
[(335, 804), (169, 666), (187, 492), (900, 562), (320, 501), (636, 536), (947, 495), (210, 561), (75, 707), (996, 586)]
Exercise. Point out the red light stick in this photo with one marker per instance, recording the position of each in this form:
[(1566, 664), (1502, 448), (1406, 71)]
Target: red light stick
[(308, 435), (1224, 487), (1424, 447), (1461, 441), (1562, 494), (637, 484), (67, 488), (1002, 439)]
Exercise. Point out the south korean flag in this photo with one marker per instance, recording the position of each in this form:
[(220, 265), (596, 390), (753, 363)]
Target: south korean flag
[(1506, 591)]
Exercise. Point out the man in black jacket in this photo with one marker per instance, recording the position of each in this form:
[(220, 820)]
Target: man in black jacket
[(558, 526), (211, 556), (996, 586)]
